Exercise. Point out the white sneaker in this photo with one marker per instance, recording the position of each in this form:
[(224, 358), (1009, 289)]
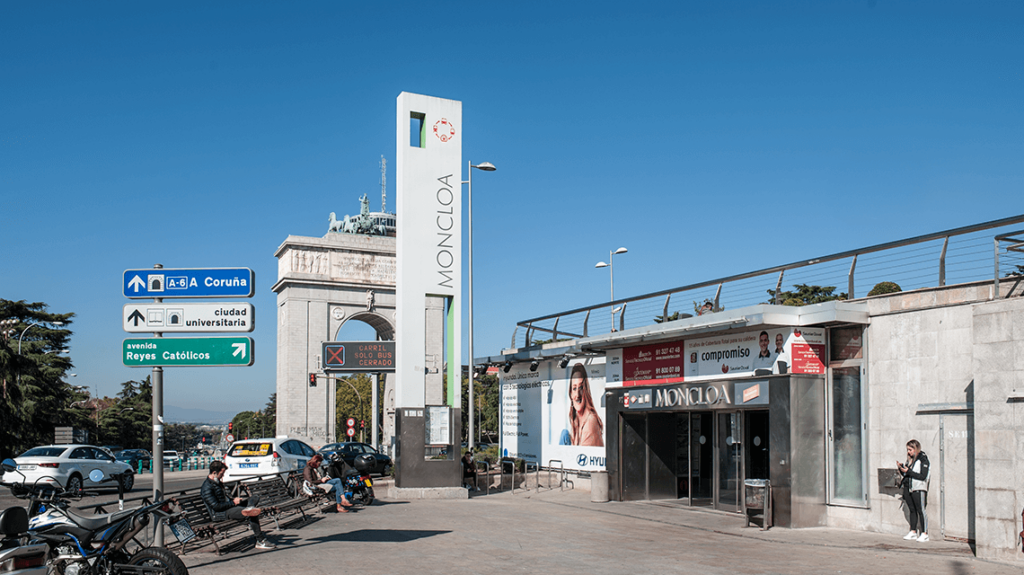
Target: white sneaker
[(910, 536), (923, 538)]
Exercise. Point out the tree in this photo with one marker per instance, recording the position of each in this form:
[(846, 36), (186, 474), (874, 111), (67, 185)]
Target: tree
[(270, 413), (672, 317), (33, 396), (348, 403), (882, 288), (806, 295)]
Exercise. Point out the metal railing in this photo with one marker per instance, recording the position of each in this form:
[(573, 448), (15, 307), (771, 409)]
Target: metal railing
[(487, 474), (955, 256)]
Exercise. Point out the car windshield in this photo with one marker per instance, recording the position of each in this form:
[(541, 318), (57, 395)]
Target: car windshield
[(44, 452), (330, 447), (170, 454), (249, 449)]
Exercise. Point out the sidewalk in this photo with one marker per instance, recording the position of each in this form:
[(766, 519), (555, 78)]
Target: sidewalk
[(563, 532)]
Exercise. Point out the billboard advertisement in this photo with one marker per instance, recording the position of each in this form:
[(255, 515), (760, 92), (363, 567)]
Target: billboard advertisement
[(555, 413), (653, 364), (781, 350)]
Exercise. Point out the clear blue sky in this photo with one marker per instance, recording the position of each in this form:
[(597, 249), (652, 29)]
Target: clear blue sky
[(202, 134)]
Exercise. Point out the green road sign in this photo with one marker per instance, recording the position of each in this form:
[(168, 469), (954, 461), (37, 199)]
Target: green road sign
[(187, 351)]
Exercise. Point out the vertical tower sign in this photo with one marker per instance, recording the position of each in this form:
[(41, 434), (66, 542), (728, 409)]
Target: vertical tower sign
[(429, 247)]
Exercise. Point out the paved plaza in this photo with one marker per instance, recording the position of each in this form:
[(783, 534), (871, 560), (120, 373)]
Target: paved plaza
[(555, 532)]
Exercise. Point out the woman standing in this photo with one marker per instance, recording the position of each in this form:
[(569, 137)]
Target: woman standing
[(585, 427), (915, 490)]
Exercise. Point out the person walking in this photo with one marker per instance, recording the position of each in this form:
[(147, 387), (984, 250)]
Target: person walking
[(915, 490)]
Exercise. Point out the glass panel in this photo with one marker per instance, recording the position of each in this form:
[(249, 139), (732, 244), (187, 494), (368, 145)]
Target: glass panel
[(729, 455), (683, 455), (757, 445), (847, 343), (847, 430), (701, 458)]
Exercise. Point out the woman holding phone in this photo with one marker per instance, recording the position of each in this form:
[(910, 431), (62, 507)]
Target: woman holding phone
[(915, 490)]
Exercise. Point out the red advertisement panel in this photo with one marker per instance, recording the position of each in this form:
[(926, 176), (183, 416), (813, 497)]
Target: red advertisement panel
[(808, 358), (653, 364)]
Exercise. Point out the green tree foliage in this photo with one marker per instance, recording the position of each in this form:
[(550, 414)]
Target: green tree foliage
[(246, 425), (181, 437), (252, 424), (33, 396), (884, 288), (806, 295), (354, 399), (672, 317), (127, 419)]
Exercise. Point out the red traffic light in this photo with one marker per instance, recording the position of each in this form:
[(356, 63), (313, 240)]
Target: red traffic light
[(312, 380), (229, 426)]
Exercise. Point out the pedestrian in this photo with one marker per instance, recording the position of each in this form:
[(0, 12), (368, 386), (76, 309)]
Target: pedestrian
[(469, 471), (915, 490), (312, 475), (221, 507)]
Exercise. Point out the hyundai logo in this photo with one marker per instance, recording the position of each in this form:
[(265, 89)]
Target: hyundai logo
[(247, 460), (581, 460)]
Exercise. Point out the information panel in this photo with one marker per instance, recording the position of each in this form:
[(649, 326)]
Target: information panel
[(359, 356)]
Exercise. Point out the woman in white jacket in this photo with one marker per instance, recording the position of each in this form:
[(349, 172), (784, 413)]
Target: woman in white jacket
[(915, 490)]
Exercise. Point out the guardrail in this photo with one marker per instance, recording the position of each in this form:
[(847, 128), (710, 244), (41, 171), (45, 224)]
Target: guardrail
[(958, 255)]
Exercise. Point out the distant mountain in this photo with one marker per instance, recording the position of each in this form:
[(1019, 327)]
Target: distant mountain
[(175, 414)]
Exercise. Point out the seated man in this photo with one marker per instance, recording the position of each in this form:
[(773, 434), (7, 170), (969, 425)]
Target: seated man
[(469, 471), (221, 507), (313, 476)]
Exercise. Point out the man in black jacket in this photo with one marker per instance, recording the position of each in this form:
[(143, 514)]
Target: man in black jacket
[(221, 507)]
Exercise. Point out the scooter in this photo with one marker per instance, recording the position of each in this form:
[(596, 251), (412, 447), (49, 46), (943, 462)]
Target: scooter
[(94, 544), (356, 482), (18, 556)]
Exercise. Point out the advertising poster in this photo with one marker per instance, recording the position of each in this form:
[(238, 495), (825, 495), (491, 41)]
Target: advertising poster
[(521, 391), (574, 426), (653, 364), (781, 350)]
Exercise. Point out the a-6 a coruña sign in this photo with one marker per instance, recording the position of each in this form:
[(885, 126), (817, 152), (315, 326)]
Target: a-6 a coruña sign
[(359, 356)]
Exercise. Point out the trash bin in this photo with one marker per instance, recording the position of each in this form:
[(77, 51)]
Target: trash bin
[(757, 500), (599, 486)]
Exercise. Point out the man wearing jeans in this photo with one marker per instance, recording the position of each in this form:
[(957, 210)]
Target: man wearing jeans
[(312, 475), (222, 507)]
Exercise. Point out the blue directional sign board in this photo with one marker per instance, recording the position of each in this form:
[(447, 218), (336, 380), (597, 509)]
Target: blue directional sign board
[(202, 282)]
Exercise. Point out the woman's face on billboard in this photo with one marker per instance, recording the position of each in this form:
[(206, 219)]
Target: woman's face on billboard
[(576, 391)]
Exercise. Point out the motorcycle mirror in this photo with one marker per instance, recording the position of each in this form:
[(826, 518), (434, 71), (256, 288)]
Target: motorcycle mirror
[(9, 465), (96, 475)]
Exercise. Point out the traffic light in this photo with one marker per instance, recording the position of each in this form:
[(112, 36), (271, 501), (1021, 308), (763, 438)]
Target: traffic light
[(312, 380), (229, 426)]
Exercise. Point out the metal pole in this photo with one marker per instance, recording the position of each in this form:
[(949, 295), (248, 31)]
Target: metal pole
[(469, 438), (158, 440), (611, 277), (374, 419)]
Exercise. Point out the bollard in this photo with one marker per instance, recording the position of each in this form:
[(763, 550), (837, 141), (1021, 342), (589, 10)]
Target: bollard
[(598, 486)]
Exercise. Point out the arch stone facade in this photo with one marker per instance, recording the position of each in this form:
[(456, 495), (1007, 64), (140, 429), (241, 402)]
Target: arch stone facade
[(323, 283)]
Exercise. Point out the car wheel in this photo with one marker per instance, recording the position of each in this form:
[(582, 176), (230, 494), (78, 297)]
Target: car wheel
[(387, 470), (74, 483), (127, 482)]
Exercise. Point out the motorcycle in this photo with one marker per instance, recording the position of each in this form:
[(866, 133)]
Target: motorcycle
[(94, 544), (19, 556), (356, 482)]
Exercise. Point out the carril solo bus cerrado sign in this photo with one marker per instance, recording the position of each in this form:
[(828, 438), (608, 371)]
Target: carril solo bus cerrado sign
[(188, 351)]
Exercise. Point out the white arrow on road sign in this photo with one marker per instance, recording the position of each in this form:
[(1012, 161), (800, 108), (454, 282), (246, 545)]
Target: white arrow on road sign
[(178, 317), (239, 349), (136, 283)]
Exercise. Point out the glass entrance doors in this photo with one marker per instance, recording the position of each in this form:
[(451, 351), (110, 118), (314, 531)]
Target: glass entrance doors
[(730, 461)]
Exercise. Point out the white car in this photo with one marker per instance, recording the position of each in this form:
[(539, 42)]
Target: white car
[(171, 458), (251, 458), (68, 466)]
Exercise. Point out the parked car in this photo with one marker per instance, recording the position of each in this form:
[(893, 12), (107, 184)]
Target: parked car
[(113, 449), (251, 458), (134, 456), (171, 458), (69, 466), (349, 450)]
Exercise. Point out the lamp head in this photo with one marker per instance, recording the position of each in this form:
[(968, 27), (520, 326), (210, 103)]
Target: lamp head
[(485, 166), (601, 265), (621, 251)]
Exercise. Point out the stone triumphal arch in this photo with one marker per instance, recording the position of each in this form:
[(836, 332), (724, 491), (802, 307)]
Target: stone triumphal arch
[(322, 284)]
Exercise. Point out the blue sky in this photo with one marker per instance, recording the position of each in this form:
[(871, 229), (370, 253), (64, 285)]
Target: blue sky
[(203, 134)]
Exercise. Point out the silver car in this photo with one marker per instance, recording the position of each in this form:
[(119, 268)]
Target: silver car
[(68, 466)]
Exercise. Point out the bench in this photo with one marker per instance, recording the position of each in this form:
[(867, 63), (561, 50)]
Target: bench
[(311, 493), (202, 524), (276, 496)]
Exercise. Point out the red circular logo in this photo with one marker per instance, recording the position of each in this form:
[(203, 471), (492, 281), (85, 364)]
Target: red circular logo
[(444, 130)]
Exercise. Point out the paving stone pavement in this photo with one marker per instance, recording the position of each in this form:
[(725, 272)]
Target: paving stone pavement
[(555, 532)]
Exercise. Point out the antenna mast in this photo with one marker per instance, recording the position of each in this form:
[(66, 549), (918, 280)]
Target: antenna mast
[(383, 184)]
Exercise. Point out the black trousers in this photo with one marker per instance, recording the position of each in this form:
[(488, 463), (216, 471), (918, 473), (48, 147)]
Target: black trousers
[(916, 502), (254, 522)]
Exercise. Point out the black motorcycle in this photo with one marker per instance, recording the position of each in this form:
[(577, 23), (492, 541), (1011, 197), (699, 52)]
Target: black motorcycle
[(101, 544), (354, 481), (18, 555)]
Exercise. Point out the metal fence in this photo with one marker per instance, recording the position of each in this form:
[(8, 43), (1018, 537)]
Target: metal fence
[(991, 251)]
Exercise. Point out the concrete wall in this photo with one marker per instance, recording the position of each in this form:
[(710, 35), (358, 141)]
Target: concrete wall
[(952, 346)]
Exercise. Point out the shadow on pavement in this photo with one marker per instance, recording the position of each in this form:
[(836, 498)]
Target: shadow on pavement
[(378, 536)]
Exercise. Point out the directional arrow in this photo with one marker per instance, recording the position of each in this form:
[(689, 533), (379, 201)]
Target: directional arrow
[(239, 349), (136, 283), (136, 316)]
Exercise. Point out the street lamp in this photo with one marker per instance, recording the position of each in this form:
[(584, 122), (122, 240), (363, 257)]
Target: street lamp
[(611, 275), (484, 167), (20, 337)]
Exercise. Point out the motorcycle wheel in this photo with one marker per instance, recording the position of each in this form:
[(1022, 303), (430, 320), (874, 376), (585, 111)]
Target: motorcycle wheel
[(160, 558)]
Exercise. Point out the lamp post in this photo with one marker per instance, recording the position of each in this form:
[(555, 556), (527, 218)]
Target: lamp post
[(20, 337), (611, 275), (484, 167)]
